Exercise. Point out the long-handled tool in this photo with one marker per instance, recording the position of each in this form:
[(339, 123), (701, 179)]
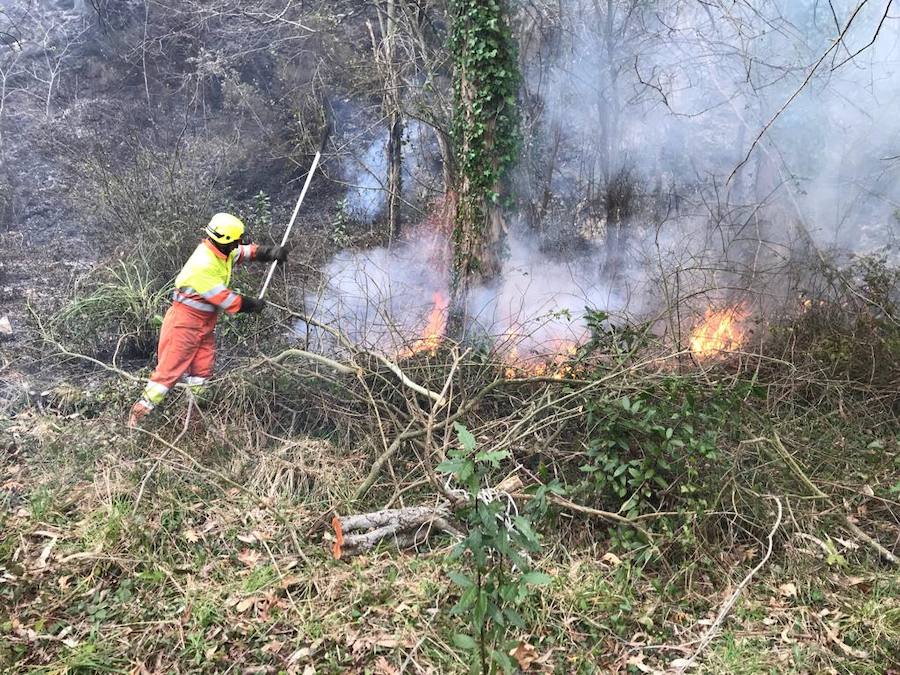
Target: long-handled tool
[(287, 232)]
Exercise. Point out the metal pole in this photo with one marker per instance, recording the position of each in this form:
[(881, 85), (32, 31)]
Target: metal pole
[(287, 232)]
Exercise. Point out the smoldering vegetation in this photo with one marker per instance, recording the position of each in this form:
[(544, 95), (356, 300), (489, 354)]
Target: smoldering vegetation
[(671, 153)]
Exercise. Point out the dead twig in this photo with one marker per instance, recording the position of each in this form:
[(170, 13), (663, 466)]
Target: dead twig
[(311, 356), (680, 665), (379, 462)]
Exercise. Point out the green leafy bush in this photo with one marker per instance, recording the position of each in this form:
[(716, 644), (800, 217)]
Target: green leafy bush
[(655, 448)]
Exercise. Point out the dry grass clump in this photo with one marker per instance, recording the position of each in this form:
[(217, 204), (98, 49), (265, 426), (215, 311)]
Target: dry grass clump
[(116, 312), (846, 328), (307, 470)]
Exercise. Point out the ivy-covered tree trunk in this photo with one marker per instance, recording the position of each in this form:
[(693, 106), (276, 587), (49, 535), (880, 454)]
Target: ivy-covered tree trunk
[(485, 134)]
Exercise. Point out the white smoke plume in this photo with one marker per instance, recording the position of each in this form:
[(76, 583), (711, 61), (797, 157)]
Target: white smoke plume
[(386, 298), (678, 91), (689, 101), (381, 298), (366, 178)]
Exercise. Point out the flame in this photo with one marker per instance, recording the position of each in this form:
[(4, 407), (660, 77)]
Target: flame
[(553, 363), (434, 328), (808, 304), (719, 331), (552, 359)]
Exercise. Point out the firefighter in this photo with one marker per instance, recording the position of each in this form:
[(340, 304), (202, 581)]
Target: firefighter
[(187, 347)]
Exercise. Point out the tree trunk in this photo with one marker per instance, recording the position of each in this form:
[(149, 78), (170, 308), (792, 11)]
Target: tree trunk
[(485, 135), (395, 172), (448, 162), (395, 135)]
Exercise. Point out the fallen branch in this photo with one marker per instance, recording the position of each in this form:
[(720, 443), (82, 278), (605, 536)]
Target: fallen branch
[(375, 470), (792, 464), (288, 353), (311, 356), (406, 527), (418, 388), (605, 515), (429, 436), (350, 346), (414, 434)]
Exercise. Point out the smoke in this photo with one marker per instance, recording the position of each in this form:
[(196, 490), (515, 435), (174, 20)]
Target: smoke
[(677, 92), (660, 139), (380, 298), (384, 298), (538, 302), (367, 179), (366, 175)]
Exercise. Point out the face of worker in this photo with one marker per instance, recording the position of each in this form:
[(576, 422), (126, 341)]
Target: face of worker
[(228, 248)]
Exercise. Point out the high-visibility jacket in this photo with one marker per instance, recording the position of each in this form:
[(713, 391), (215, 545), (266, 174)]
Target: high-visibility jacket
[(186, 342), (203, 283)]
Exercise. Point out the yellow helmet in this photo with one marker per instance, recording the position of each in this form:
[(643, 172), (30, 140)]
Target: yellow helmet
[(225, 228)]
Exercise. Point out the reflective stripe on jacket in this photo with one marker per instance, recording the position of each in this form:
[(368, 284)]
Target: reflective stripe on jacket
[(203, 282)]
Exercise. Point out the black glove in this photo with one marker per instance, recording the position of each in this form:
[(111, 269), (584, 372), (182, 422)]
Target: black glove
[(272, 253), (251, 305)]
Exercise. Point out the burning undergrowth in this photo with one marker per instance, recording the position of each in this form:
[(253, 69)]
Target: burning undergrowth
[(719, 331), (396, 300), (532, 320)]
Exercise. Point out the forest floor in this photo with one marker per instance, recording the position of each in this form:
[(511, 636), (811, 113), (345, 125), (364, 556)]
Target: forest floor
[(123, 553), (202, 548)]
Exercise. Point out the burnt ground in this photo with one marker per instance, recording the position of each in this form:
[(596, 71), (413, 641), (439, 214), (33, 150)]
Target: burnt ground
[(57, 221)]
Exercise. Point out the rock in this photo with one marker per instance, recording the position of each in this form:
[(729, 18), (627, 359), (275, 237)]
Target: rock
[(5, 326)]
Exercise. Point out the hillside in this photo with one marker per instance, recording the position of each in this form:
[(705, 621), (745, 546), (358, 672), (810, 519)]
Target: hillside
[(584, 357)]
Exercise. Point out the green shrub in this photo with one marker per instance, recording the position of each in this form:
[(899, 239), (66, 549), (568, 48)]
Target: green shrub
[(497, 575), (118, 314), (657, 447)]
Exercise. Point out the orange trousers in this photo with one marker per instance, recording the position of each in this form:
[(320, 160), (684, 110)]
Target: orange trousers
[(187, 346)]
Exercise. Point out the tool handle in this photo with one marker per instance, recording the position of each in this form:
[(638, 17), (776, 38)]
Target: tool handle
[(287, 232)]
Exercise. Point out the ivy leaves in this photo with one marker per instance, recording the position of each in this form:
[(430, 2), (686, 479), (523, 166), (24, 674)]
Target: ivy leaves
[(486, 122)]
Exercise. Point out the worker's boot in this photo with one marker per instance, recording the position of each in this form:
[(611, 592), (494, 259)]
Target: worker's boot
[(139, 412)]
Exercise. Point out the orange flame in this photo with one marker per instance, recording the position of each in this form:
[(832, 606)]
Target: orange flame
[(434, 328), (550, 364), (720, 331), (552, 360)]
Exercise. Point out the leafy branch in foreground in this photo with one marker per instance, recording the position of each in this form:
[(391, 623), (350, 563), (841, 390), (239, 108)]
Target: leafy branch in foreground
[(497, 575)]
